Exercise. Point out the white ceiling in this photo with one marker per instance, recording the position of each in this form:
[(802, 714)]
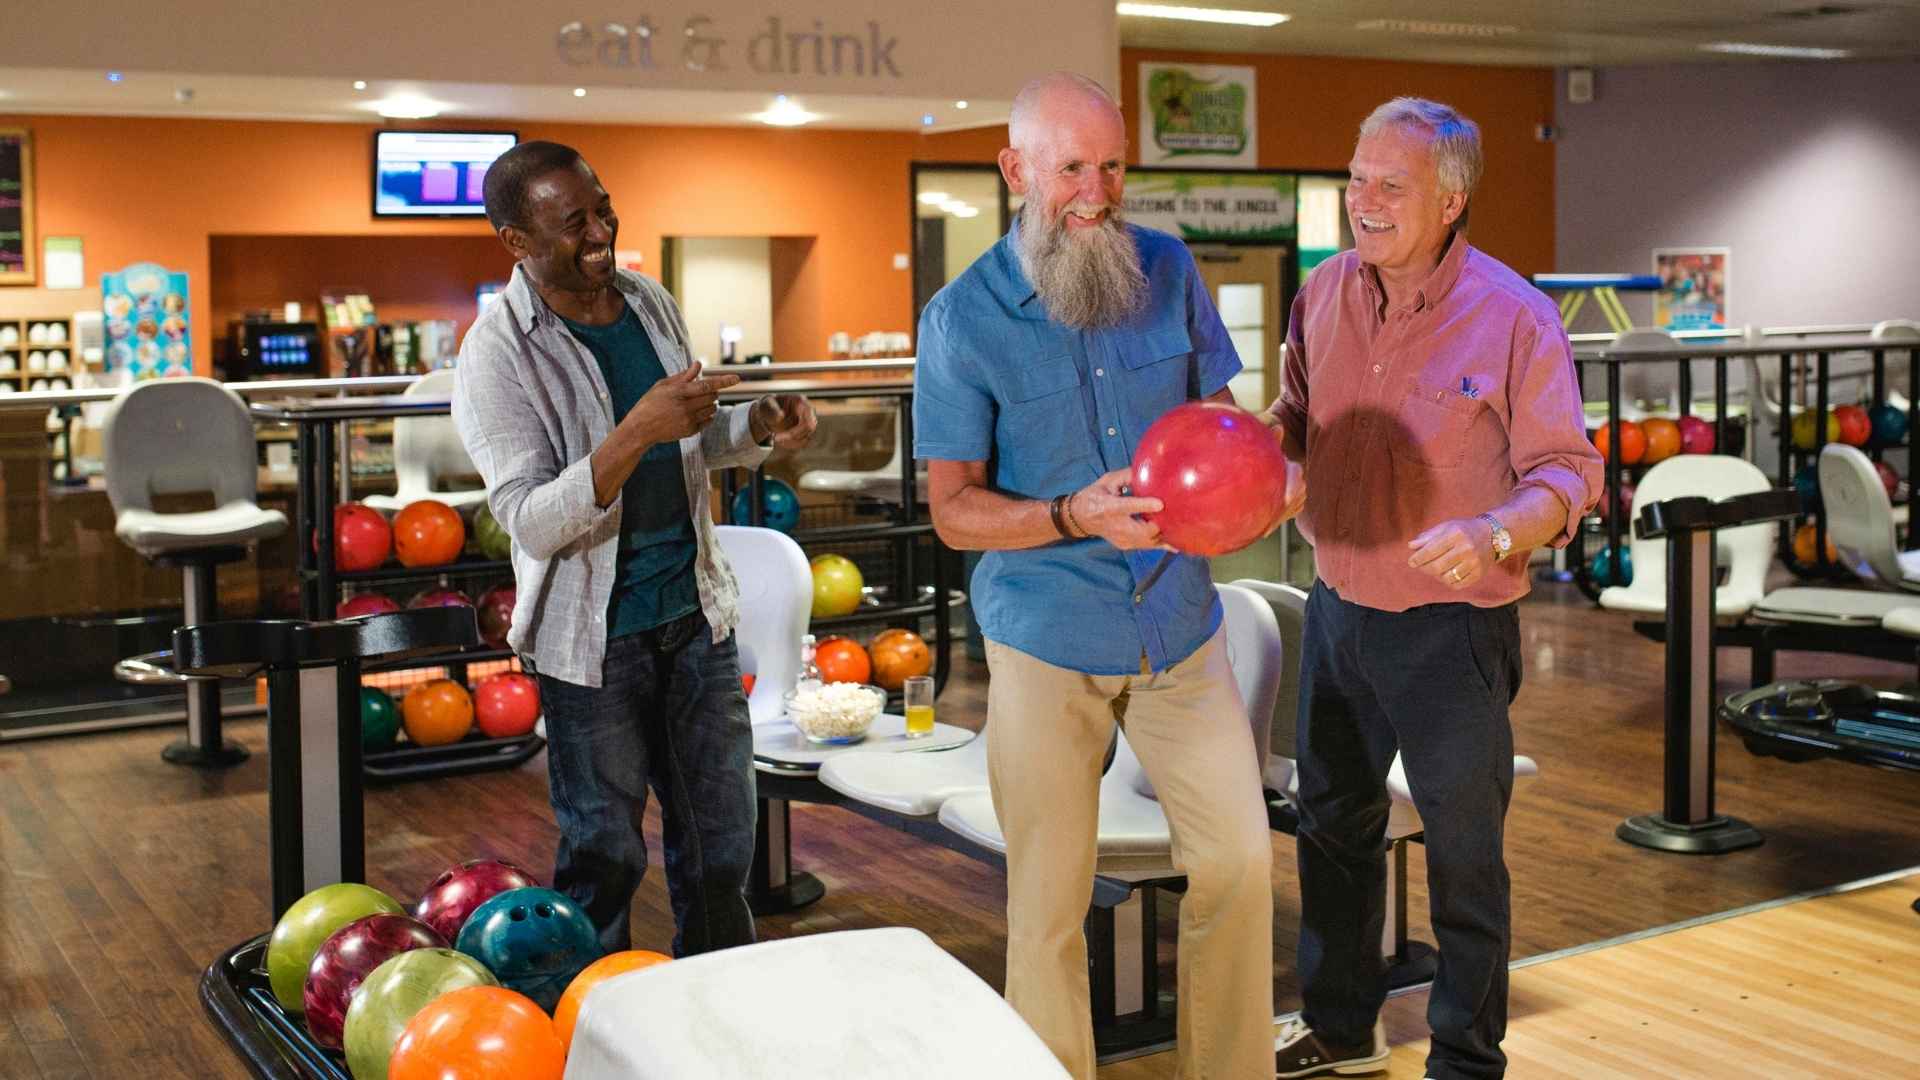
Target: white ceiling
[(1544, 32), (1521, 32)]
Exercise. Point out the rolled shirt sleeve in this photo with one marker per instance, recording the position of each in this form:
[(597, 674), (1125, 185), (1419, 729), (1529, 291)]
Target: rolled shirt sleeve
[(1546, 428)]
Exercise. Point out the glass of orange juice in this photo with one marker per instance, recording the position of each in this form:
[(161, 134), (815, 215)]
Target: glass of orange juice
[(919, 695)]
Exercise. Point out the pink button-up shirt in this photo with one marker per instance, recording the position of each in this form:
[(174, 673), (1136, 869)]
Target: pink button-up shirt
[(1431, 411)]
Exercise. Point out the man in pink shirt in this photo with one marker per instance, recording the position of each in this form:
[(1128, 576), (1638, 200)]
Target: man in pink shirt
[(1430, 394)]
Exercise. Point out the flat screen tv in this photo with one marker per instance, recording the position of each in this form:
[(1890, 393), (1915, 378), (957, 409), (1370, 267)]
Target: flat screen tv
[(434, 173)]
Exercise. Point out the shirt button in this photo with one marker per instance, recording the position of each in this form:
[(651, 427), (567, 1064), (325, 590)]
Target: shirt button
[(1111, 431), (1099, 371)]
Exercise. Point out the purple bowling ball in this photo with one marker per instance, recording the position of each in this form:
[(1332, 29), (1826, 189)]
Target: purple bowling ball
[(446, 903), (344, 961)]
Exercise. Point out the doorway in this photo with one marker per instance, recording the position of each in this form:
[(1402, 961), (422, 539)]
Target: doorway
[(1252, 287)]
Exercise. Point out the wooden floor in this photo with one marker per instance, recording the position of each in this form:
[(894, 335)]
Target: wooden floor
[(1823, 987), (121, 877)]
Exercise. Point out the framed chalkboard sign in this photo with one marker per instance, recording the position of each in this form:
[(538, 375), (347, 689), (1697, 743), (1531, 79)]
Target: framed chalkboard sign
[(16, 207)]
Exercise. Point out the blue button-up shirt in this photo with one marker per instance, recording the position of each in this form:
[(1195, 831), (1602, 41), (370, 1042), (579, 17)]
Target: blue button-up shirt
[(1051, 409)]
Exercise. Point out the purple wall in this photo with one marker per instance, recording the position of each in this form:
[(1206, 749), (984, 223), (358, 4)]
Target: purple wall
[(1809, 172)]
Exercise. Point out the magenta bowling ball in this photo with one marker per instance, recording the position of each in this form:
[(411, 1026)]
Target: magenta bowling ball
[(1218, 473), (441, 597), (496, 614), (345, 960), (458, 890), (1889, 479), (1696, 436), (366, 604)]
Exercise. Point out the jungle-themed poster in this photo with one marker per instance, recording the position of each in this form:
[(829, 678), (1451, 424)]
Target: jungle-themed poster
[(1217, 206), (1693, 288), (1198, 114)]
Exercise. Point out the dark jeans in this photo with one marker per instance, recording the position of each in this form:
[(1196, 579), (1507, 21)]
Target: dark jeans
[(669, 714), (1433, 682)]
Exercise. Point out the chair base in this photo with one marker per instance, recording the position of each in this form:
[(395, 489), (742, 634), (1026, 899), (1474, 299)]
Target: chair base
[(186, 752), (1146, 1032), (1712, 837), (796, 892), (1413, 965)]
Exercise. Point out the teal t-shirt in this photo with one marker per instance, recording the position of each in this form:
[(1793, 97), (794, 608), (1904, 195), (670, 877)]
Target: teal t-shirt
[(654, 581)]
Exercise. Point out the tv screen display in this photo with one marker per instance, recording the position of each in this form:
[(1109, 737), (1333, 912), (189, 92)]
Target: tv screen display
[(434, 173)]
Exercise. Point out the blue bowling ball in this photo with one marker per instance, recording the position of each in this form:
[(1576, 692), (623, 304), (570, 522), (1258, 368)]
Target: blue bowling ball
[(778, 503), (1601, 570), (533, 940), (1807, 483), (1889, 425)]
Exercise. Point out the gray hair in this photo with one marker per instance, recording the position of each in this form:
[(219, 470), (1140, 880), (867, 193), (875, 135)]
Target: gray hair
[(1027, 102), (1453, 139)]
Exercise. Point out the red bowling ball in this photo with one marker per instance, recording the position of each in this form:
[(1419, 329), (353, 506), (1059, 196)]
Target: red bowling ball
[(446, 903), (366, 604), (1696, 436), (362, 539), (496, 614), (506, 705), (345, 960), (1218, 473), (440, 597), (1889, 479)]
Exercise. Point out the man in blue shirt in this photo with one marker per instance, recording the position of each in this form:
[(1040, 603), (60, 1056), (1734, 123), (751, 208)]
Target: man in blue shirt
[(594, 430), (1040, 369)]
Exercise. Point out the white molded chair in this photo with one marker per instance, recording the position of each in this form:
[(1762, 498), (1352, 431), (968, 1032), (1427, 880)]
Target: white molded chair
[(1860, 520), (1746, 552), (776, 601), (853, 1005), (1643, 382), (914, 785), (427, 449), (882, 483)]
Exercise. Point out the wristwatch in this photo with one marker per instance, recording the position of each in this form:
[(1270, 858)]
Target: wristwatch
[(1502, 539)]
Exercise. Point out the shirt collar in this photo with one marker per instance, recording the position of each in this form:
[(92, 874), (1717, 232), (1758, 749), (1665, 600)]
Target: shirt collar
[(1434, 288), (529, 310)]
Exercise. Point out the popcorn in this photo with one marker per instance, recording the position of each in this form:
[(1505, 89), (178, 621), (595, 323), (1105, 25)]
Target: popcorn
[(833, 710)]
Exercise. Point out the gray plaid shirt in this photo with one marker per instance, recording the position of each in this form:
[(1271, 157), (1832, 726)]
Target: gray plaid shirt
[(531, 406)]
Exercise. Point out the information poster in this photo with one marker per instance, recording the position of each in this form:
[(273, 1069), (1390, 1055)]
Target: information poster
[(1214, 207), (1198, 114), (16, 207), (146, 322), (1693, 288)]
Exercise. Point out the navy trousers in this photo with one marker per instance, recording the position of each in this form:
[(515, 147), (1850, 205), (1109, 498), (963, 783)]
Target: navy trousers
[(1433, 683), (669, 715)]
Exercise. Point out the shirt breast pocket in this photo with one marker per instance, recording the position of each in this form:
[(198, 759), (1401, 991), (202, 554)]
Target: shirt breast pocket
[(1157, 371), (1434, 426)]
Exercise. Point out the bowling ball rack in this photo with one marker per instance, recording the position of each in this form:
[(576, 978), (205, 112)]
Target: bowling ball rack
[(316, 824)]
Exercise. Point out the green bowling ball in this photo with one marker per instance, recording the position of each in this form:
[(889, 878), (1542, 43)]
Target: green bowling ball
[(309, 922), (490, 537), (379, 720), (400, 987)]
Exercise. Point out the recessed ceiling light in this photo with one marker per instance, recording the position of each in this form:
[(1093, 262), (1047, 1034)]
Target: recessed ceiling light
[(1228, 16), (954, 206), (959, 104), (966, 212), (115, 77), (785, 113), (359, 84), (407, 107), (934, 198), (1436, 28), (579, 91), (1801, 52), (926, 119)]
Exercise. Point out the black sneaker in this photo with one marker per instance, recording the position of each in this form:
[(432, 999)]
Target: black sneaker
[(1298, 1052)]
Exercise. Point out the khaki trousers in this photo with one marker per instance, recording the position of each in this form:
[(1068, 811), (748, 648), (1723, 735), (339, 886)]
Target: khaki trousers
[(1051, 728)]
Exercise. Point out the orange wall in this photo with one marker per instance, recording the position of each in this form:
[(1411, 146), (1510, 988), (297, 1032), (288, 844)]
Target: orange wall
[(159, 190), (1310, 107)]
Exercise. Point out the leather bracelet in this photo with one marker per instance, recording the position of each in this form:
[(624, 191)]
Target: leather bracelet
[(1059, 525), (1066, 507)]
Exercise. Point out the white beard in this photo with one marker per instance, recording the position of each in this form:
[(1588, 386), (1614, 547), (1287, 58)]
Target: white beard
[(1087, 278)]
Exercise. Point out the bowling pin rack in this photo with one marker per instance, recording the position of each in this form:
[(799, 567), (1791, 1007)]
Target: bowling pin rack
[(1734, 435), (325, 479), (316, 822)]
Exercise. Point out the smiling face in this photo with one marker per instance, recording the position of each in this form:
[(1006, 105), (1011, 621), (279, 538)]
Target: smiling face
[(1401, 218), (1072, 159), (567, 241)]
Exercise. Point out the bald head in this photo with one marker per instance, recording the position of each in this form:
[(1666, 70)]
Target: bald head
[(1056, 102)]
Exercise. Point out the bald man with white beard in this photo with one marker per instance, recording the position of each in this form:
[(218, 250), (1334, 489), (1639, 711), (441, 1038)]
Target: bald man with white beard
[(1040, 369)]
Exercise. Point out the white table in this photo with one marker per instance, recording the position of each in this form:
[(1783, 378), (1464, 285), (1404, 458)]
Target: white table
[(787, 765)]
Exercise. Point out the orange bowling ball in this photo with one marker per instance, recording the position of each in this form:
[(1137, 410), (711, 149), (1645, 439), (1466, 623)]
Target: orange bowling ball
[(428, 533), (567, 1013), (842, 660), (898, 655), (1633, 442), (479, 1033), (1803, 541), (437, 712), (1663, 440)]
